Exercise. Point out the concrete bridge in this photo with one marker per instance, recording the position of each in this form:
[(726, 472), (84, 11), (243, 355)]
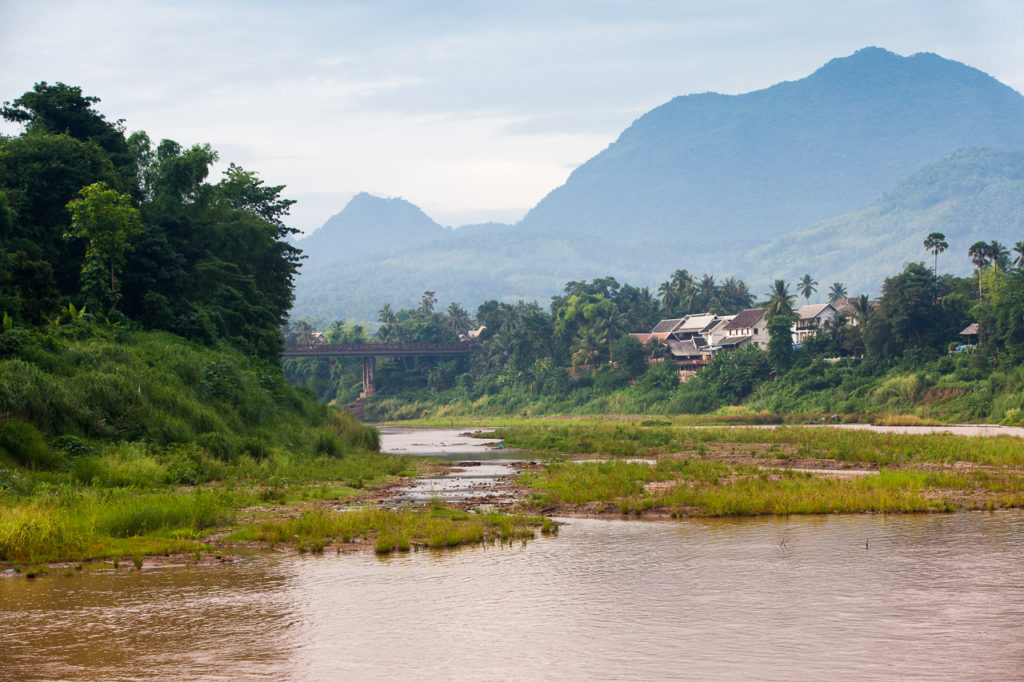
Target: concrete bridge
[(369, 352)]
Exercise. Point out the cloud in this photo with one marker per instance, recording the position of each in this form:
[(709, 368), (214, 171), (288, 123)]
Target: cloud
[(465, 108)]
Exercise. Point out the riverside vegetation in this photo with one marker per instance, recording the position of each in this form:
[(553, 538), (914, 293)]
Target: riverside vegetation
[(142, 407), (687, 471)]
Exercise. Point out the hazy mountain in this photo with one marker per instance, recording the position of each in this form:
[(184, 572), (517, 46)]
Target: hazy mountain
[(769, 184), (370, 225), (971, 195), (706, 168)]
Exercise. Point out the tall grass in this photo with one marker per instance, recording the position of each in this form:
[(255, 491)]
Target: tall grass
[(703, 488), (395, 530), (630, 439), (75, 525)]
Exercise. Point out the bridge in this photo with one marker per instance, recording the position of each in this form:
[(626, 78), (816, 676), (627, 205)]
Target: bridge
[(369, 352)]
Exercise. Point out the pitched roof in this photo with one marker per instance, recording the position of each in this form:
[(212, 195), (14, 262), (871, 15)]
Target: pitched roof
[(734, 340), (666, 326), (683, 349), (809, 312), (971, 330), (695, 323), (642, 337), (745, 319)]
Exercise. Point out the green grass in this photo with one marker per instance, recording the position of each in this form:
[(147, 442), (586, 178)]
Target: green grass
[(699, 488), (698, 484), (394, 530), (627, 438), (76, 525)]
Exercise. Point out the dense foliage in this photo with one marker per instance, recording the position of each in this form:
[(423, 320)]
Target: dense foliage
[(133, 232), (891, 355)]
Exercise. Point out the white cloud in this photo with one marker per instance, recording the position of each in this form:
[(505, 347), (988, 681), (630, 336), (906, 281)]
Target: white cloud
[(465, 108)]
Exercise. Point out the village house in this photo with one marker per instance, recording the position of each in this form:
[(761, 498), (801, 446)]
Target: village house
[(811, 318), (748, 326), (692, 341)]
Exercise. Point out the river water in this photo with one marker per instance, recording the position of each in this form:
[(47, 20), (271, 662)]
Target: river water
[(837, 597)]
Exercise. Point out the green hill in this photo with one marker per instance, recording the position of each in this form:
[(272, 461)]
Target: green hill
[(710, 168), (971, 195)]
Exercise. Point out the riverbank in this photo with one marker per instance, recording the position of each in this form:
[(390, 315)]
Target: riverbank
[(677, 471)]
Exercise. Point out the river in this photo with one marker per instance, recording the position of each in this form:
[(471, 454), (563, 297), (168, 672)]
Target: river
[(838, 597)]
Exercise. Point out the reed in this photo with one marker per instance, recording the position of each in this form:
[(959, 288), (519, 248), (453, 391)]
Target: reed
[(391, 530)]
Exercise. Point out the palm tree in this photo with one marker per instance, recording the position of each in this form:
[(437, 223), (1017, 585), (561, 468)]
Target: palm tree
[(837, 292), (999, 255), (707, 293), (780, 301), (862, 304), (303, 333), (936, 243), (587, 349), (457, 318), (978, 254), (1019, 249), (807, 286)]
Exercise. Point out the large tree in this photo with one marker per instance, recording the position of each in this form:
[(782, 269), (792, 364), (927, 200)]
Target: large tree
[(807, 286), (780, 301), (936, 244), (108, 222)]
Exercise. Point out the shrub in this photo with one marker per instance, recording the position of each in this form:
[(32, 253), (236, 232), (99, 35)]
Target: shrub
[(23, 443)]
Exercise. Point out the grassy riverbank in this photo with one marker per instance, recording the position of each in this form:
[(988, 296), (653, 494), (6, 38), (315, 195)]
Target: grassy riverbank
[(785, 470), (436, 528), (120, 444)]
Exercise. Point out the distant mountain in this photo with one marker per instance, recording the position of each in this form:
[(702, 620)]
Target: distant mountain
[(971, 195), (840, 174), (370, 225), (708, 169)]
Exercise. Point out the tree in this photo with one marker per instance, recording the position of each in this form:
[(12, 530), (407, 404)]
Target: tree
[(979, 255), (936, 244), (457, 318), (807, 286), (862, 306), (908, 315), (999, 255), (780, 342), (780, 301), (586, 349), (836, 292), (61, 109), (1019, 250), (427, 302), (109, 222)]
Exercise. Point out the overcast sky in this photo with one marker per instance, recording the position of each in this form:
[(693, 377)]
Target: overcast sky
[(471, 110)]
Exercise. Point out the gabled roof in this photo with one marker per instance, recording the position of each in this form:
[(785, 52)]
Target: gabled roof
[(642, 337), (730, 341), (695, 323), (745, 319), (666, 326), (683, 349), (809, 312)]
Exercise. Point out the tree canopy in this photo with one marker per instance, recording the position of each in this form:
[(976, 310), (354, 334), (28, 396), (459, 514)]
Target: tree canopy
[(206, 260)]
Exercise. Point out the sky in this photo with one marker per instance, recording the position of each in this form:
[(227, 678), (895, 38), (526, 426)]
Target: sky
[(472, 110)]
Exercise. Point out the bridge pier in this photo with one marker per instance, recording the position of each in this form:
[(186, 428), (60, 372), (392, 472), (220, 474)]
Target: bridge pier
[(369, 380)]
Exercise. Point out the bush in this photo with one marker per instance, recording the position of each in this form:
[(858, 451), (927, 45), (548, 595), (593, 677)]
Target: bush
[(25, 445)]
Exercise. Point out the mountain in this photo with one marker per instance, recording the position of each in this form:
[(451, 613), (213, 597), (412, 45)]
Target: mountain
[(370, 225), (705, 168), (840, 174), (971, 195)]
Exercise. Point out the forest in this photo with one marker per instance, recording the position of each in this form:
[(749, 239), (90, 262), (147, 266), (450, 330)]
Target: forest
[(902, 353)]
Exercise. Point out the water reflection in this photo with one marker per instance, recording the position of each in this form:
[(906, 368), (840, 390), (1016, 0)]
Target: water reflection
[(929, 597)]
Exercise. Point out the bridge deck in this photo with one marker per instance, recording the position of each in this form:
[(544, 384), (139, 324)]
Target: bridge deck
[(371, 350)]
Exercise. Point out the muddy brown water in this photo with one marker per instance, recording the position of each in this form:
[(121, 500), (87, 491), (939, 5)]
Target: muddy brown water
[(826, 597)]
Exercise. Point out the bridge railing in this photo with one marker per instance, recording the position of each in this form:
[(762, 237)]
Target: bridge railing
[(374, 349)]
